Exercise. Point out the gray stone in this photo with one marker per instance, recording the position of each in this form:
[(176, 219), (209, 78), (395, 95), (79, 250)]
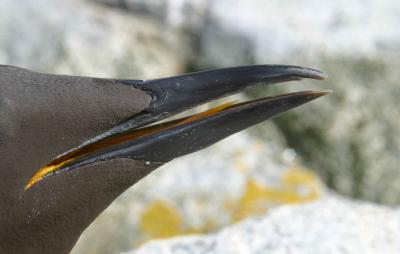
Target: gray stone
[(182, 14), (269, 31), (276, 32), (332, 225), (75, 37)]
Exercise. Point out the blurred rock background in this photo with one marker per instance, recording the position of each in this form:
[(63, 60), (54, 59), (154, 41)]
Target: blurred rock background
[(332, 225), (348, 142)]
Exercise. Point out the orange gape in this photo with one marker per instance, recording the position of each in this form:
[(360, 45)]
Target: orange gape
[(73, 155)]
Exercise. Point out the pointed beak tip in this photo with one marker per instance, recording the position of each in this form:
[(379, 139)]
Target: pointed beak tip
[(317, 94), (321, 76), (315, 74), (324, 92)]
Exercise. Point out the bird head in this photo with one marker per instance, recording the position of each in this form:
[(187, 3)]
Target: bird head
[(71, 145)]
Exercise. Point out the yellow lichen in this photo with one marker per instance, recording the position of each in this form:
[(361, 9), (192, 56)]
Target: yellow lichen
[(296, 178), (297, 186), (160, 220)]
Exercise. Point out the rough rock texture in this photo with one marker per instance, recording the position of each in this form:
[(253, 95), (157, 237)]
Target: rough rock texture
[(332, 225), (74, 37), (186, 14), (269, 30)]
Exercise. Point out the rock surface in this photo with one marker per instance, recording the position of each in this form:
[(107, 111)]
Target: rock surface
[(332, 225), (272, 30), (75, 37)]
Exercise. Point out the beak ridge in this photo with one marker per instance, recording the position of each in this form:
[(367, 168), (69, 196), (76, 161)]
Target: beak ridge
[(176, 94)]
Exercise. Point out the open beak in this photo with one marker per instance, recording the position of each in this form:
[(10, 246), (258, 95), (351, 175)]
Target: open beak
[(136, 139)]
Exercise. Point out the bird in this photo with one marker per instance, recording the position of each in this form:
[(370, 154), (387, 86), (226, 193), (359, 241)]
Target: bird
[(70, 145)]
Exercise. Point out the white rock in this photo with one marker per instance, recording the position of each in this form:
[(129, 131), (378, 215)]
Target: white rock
[(231, 31), (276, 30), (75, 37), (332, 225)]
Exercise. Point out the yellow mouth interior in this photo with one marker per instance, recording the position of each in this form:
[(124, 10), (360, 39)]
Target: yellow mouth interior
[(63, 160)]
